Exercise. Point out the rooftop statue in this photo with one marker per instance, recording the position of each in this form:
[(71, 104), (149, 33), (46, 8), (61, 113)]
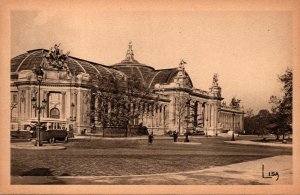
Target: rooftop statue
[(181, 64), (55, 58), (235, 103), (129, 55), (215, 80)]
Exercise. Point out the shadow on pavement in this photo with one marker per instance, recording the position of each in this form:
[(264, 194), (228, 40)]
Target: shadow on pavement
[(38, 172)]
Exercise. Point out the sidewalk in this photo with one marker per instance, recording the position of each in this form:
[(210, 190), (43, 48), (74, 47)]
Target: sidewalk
[(259, 143), (144, 137), (245, 173), (31, 146)]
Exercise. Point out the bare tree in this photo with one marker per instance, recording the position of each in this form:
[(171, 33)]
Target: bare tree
[(119, 102), (136, 95), (181, 110), (105, 94)]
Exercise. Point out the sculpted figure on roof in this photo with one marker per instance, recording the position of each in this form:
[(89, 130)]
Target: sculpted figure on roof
[(55, 58), (235, 103), (215, 80)]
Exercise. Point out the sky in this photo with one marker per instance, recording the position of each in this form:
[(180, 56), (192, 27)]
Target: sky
[(247, 49)]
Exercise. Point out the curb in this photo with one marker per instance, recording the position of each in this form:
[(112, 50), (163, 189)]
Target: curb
[(32, 147), (243, 142)]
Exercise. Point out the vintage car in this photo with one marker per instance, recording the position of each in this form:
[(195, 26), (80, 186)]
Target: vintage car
[(51, 131)]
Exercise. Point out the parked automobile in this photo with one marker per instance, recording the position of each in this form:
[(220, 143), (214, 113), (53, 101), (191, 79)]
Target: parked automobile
[(51, 131)]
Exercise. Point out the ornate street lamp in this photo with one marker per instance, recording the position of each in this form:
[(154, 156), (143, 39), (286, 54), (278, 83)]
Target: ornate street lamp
[(232, 139), (36, 104)]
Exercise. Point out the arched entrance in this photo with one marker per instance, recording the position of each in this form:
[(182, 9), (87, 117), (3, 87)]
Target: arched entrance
[(54, 113)]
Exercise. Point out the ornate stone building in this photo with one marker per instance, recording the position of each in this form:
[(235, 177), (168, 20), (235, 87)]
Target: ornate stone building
[(67, 90)]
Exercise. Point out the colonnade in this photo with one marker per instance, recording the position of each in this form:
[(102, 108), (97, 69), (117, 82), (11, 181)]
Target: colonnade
[(153, 115), (230, 120)]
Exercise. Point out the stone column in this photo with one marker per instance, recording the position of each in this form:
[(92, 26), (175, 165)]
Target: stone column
[(213, 116), (78, 109), (226, 118), (172, 118), (22, 102), (209, 115), (76, 103), (199, 112), (63, 104), (45, 110), (223, 119), (206, 107), (165, 117), (241, 122), (162, 114), (156, 116), (96, 109), (28, 104), (216, 116)]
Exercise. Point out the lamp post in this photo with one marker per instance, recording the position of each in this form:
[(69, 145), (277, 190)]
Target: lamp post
[(218, 120), (232, 139), (36, 104)]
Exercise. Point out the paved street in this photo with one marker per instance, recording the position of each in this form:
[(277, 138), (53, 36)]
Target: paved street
[(246, 173), (133, 161)]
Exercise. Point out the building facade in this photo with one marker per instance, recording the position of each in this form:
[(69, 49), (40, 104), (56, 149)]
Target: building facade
[(68, 90)]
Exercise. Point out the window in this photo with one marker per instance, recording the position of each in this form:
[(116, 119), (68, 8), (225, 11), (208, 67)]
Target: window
[(54, 113), (15, 98)]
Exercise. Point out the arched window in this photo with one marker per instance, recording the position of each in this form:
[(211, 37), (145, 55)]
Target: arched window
[(14, 115), (54, 113)]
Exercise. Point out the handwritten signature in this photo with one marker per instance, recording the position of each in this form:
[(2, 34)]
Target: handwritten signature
[(270, 174)]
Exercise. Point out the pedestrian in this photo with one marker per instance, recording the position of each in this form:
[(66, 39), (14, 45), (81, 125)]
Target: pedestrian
[(186, 137), (150, 138), (175, 136)]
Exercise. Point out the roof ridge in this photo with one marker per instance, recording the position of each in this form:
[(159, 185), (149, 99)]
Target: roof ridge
[(79, 64), (153, 78)]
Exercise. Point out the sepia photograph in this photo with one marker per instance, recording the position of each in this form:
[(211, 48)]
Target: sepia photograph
[(132, 94)]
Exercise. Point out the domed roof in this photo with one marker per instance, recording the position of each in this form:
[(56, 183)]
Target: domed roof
[(146, 74), (130, 61), (34, 58)]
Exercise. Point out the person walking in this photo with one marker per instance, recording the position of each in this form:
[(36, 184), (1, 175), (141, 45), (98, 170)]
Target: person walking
[(175, 136), (150, 138)]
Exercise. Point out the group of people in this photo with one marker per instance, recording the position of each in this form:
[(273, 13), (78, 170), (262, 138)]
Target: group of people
[(151, 137)]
